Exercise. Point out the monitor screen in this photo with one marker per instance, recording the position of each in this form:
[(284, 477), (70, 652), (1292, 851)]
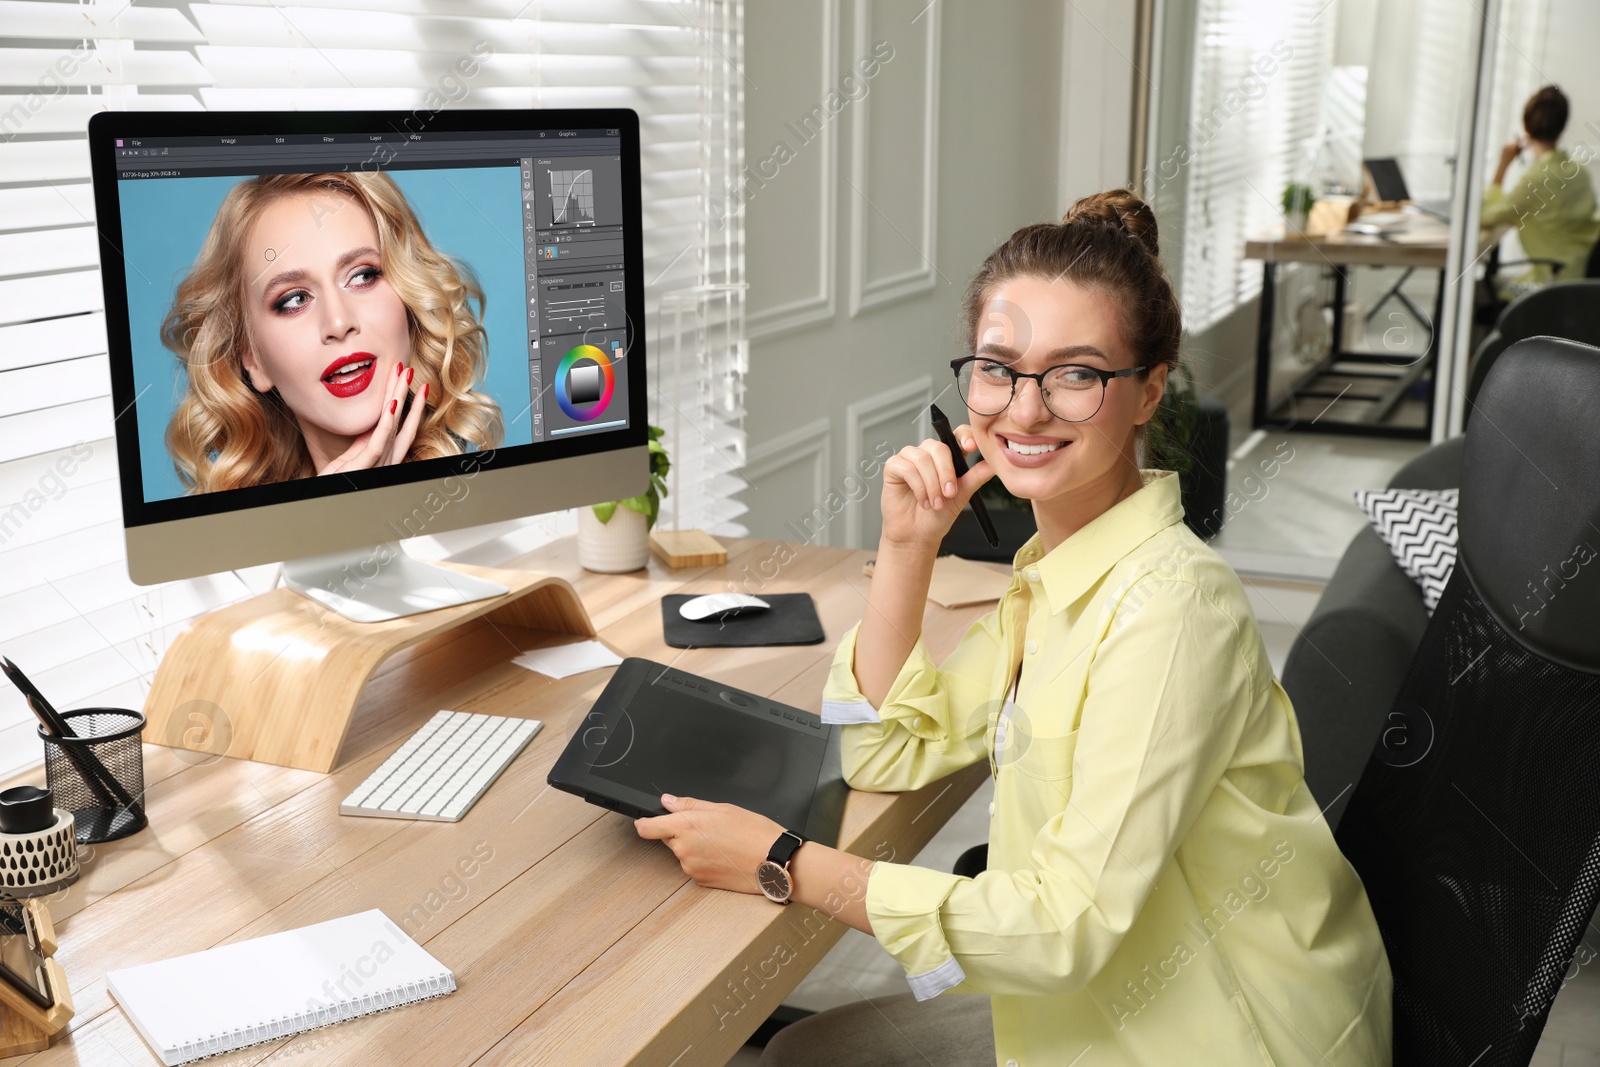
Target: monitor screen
[(306, 304), (1387, 179)]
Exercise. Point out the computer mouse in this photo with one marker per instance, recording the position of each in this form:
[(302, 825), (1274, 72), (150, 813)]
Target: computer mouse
[(723, 605)]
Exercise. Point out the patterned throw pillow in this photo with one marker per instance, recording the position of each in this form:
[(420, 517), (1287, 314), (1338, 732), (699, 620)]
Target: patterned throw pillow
[(1419, 526)]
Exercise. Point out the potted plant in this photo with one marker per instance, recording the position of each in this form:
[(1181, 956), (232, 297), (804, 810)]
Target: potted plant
[(1297, 200), (1170, 437), (615, 536)]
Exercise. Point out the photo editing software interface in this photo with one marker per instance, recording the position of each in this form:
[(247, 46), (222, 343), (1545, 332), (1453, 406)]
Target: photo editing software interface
[(534, 216)]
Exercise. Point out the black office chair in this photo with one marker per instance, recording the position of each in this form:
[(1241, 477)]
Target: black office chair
[(1565, 309), (1490, 305), (1476, 826), (1591, 266)]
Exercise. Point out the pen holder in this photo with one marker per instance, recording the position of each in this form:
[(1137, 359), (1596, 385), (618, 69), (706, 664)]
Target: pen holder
[(110, 738), (41, 862)]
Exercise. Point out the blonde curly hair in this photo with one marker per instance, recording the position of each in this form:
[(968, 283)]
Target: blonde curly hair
[(225, 435)]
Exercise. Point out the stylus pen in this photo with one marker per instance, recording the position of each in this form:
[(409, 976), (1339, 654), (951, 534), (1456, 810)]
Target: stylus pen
[(941, 426)]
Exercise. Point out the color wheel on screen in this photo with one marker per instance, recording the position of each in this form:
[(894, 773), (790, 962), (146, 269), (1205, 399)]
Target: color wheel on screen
[(584, 381)]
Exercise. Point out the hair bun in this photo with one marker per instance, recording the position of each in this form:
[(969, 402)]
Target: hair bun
[(1122, 209)]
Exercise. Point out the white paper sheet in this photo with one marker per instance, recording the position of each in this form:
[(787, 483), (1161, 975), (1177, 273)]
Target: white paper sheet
[(559, 661)]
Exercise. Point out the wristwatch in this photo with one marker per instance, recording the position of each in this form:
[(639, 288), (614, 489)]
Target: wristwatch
[(773, 874)]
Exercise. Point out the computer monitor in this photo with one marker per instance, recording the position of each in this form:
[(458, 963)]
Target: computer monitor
[(329, 332), (1387, 180)]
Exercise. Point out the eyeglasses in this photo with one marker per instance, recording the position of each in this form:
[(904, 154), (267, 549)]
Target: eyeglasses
[(1071, 391)]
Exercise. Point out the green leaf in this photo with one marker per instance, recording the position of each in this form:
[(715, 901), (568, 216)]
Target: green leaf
[(603, 512), (637, 503), (1171, 433), (660, 462), (1297, 196)]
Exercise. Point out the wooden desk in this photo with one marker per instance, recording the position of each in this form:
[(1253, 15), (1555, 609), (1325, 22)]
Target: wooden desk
[(572, 940), (1425, 244)]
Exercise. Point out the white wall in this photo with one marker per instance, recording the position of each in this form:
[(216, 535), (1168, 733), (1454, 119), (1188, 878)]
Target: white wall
[(1358, 22), (863, 240), (1565, 55), (1097, 79), (1417, 89)]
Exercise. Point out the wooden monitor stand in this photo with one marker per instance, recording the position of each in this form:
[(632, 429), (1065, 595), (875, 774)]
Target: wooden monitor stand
[(276, 678)]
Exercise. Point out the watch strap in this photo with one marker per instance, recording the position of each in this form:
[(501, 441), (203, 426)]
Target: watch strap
[(783, 849)]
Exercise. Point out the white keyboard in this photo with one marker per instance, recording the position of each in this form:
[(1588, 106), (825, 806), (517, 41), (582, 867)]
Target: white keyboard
[(442, 770)]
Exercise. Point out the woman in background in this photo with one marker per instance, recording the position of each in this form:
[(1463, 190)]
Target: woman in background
[(319, 332), (1161, 888), (1552, 205)]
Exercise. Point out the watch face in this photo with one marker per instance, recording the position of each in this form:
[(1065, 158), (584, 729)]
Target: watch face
[(774, 881)]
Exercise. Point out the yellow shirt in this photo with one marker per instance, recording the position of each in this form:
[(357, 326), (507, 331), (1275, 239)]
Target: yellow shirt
[(1552, 206), (1161, 888)]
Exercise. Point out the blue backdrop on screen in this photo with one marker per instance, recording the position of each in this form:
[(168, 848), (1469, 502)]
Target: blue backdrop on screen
[(473, 215)]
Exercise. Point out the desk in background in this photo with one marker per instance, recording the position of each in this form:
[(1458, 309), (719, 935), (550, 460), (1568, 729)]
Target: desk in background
[(572, 940), (1423, 244)]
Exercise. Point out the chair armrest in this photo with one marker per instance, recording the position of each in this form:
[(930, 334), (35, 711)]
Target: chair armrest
[(1347, 665)]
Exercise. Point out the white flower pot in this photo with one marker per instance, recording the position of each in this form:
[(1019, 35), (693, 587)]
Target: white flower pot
[(623, 544), (1294, 223)]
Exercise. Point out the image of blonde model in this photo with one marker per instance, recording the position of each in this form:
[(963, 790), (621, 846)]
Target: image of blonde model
[(225, 435)]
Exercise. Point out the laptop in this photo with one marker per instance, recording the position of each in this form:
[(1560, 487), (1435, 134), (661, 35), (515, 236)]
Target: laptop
[(655, 729), (1390, 184)]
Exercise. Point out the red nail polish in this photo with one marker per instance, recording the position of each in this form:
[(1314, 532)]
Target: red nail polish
[(409, 372), (424, 390), (398, 367), (393, 406)]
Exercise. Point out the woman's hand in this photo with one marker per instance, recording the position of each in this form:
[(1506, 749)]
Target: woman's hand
[(390, 438), (1508, 155), (718, 845), (922, 496)]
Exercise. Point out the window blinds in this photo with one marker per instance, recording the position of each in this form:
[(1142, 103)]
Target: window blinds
[(1519, 33), (68, 613), (1259, 69)]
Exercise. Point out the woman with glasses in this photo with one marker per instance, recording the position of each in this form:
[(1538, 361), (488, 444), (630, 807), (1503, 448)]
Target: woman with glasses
[(1160, 888)]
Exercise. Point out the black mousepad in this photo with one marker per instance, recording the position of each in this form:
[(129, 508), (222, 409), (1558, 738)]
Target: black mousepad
[(791, 620)]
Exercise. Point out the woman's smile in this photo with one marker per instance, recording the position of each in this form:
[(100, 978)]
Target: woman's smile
[(350, 375), (1030, 451)]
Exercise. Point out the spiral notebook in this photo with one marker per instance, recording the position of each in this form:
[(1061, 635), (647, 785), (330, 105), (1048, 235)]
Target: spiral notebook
[(207, 1003)]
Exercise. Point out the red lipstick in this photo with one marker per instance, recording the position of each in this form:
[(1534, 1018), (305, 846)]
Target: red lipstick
[(357, 369)]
